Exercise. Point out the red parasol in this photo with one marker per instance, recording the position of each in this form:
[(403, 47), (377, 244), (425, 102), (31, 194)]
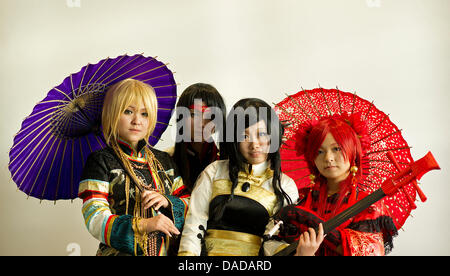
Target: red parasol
[(387, 153)]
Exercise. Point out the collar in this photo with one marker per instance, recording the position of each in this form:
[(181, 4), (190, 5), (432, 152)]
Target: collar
[(258, 175), (128, 149), (258, 169)]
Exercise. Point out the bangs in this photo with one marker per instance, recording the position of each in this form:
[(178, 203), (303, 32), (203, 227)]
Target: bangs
[(138, 94), (246, 113), (342, 133), (119, 97), (346, 138), (205, 92)]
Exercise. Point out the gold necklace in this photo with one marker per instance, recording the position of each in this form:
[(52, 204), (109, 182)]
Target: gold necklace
[(141, 167)]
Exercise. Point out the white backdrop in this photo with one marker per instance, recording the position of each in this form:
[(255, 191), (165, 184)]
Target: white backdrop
[(393, 52)]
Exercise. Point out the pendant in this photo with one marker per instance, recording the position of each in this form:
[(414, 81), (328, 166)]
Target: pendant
[(245, 187)]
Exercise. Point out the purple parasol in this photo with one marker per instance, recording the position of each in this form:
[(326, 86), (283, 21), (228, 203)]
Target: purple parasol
[(50, 150)]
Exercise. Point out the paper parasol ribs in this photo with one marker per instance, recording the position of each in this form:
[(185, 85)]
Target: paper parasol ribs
[(50, 150), (387, 143)]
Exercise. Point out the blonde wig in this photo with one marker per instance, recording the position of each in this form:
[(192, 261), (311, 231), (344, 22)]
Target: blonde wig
[(118, 98)]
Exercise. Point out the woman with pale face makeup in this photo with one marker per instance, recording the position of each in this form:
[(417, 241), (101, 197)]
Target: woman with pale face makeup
[(233, 199), (127, 187), (333, 148)]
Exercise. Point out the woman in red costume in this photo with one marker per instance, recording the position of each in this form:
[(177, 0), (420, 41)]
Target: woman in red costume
[(333, 148)]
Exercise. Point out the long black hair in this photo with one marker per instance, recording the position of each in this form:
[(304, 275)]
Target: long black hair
[(212, 98), (248, 112)]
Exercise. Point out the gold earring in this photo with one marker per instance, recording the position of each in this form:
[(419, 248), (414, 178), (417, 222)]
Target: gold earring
[(312, 177), (354, 170)]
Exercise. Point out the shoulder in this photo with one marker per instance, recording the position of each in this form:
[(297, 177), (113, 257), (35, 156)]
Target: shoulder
[(99, 163), (286, 180), (219, 165), (158, 152), (217, 169), (102, 155), (288, 183), (289, 186), (162, 156)]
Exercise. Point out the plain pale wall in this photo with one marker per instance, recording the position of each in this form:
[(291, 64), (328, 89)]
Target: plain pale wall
[(393, 52)]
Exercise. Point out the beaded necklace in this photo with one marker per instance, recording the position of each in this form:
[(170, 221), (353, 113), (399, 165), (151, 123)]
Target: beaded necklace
[(147, 241)]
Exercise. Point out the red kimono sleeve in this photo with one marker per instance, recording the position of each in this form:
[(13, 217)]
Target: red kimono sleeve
[(370, 233)]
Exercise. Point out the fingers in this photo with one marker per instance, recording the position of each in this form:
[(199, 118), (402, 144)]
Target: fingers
[(307, 236), (163, 224), (320, 234), (159, 204), (309, 241), (312, 234), (153, 199), (168, 227), (173, 229), (154, 202), (306, 244), (312, 237), (147, 197)]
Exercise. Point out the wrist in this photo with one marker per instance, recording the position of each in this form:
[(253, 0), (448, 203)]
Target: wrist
[(139, 225)]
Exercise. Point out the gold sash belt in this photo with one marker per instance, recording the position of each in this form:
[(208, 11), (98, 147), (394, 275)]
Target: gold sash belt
[(230, 243), (231, 235)]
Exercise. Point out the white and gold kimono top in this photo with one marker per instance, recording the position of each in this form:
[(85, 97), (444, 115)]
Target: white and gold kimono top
[(239, 231)]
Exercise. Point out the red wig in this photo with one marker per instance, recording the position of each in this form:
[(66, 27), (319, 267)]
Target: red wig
[(344, 135), (349, 133)]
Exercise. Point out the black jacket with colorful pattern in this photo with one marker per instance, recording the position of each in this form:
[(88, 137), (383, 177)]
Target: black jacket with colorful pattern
[(108, 206)]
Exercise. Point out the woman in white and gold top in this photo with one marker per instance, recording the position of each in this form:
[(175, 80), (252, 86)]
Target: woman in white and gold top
[(233, 200)]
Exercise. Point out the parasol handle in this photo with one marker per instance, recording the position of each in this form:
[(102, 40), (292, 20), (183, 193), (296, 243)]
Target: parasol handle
[(422, 196)]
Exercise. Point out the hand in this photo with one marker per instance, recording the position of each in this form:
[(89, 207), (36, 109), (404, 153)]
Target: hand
[(309, 242), (159, 223), (153, 199)]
